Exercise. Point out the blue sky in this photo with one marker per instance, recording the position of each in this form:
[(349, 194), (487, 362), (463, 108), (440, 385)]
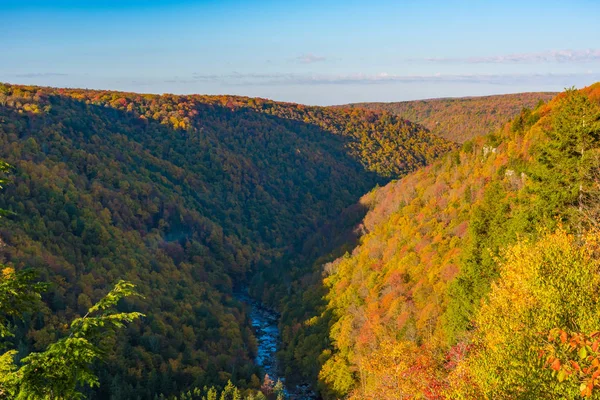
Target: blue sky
[(314, 52)]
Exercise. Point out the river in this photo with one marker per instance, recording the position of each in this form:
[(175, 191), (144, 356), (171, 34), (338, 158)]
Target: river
[(265, 324)]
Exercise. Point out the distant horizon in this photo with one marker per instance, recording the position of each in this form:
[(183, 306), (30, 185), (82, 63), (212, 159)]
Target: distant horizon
[(285, 101), (306, 52)]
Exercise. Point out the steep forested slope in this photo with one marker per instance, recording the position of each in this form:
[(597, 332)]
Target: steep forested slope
[(403, 316), (186, 196), (461, 119)]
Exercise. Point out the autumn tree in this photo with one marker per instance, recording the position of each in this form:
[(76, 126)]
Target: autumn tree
[(548, 284)]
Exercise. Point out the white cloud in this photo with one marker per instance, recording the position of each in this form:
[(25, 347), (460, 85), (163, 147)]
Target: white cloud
[(309, 58), (39, 75), (552, 56), (273, 79)]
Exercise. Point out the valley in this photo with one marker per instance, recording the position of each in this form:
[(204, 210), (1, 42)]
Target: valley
[(265, 322), (364, 242), (185, 197), (299, 200)]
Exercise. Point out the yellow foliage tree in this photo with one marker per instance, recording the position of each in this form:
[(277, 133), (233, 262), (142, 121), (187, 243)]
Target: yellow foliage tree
[(552, 283)]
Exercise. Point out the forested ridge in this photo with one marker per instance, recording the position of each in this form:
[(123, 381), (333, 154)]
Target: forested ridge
[(186, 197), (475, 277), (402, 265), (462, 118)]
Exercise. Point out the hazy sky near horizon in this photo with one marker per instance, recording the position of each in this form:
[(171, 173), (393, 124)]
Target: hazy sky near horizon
[(313, 52)]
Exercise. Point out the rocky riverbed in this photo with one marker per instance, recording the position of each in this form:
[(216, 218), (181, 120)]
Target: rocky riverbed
[(265, 324)]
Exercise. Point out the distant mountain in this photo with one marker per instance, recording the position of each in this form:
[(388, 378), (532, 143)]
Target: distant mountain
[(187, 197), (463, 118)]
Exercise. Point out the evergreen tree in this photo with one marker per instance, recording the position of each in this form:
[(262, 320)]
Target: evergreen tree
[(563, 176), (66, 365)]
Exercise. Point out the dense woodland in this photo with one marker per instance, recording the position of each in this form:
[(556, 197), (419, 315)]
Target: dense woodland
[(476, 276), (186, 197), (464, 118)]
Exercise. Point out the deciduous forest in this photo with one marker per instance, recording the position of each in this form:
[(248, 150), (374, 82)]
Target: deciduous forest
[(464, 118), (475, 276), (401, 263)]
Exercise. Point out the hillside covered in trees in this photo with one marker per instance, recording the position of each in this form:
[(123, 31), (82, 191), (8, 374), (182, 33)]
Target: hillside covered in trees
[(475, 277), (463, 118), (189, 198), (402, 265)]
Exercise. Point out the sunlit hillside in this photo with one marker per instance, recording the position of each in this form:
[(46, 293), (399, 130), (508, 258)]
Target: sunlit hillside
[(464, 118), (465, 268)]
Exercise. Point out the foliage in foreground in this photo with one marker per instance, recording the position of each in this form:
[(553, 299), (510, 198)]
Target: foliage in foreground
[(65, 366), (546, 287), (268, 391)]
